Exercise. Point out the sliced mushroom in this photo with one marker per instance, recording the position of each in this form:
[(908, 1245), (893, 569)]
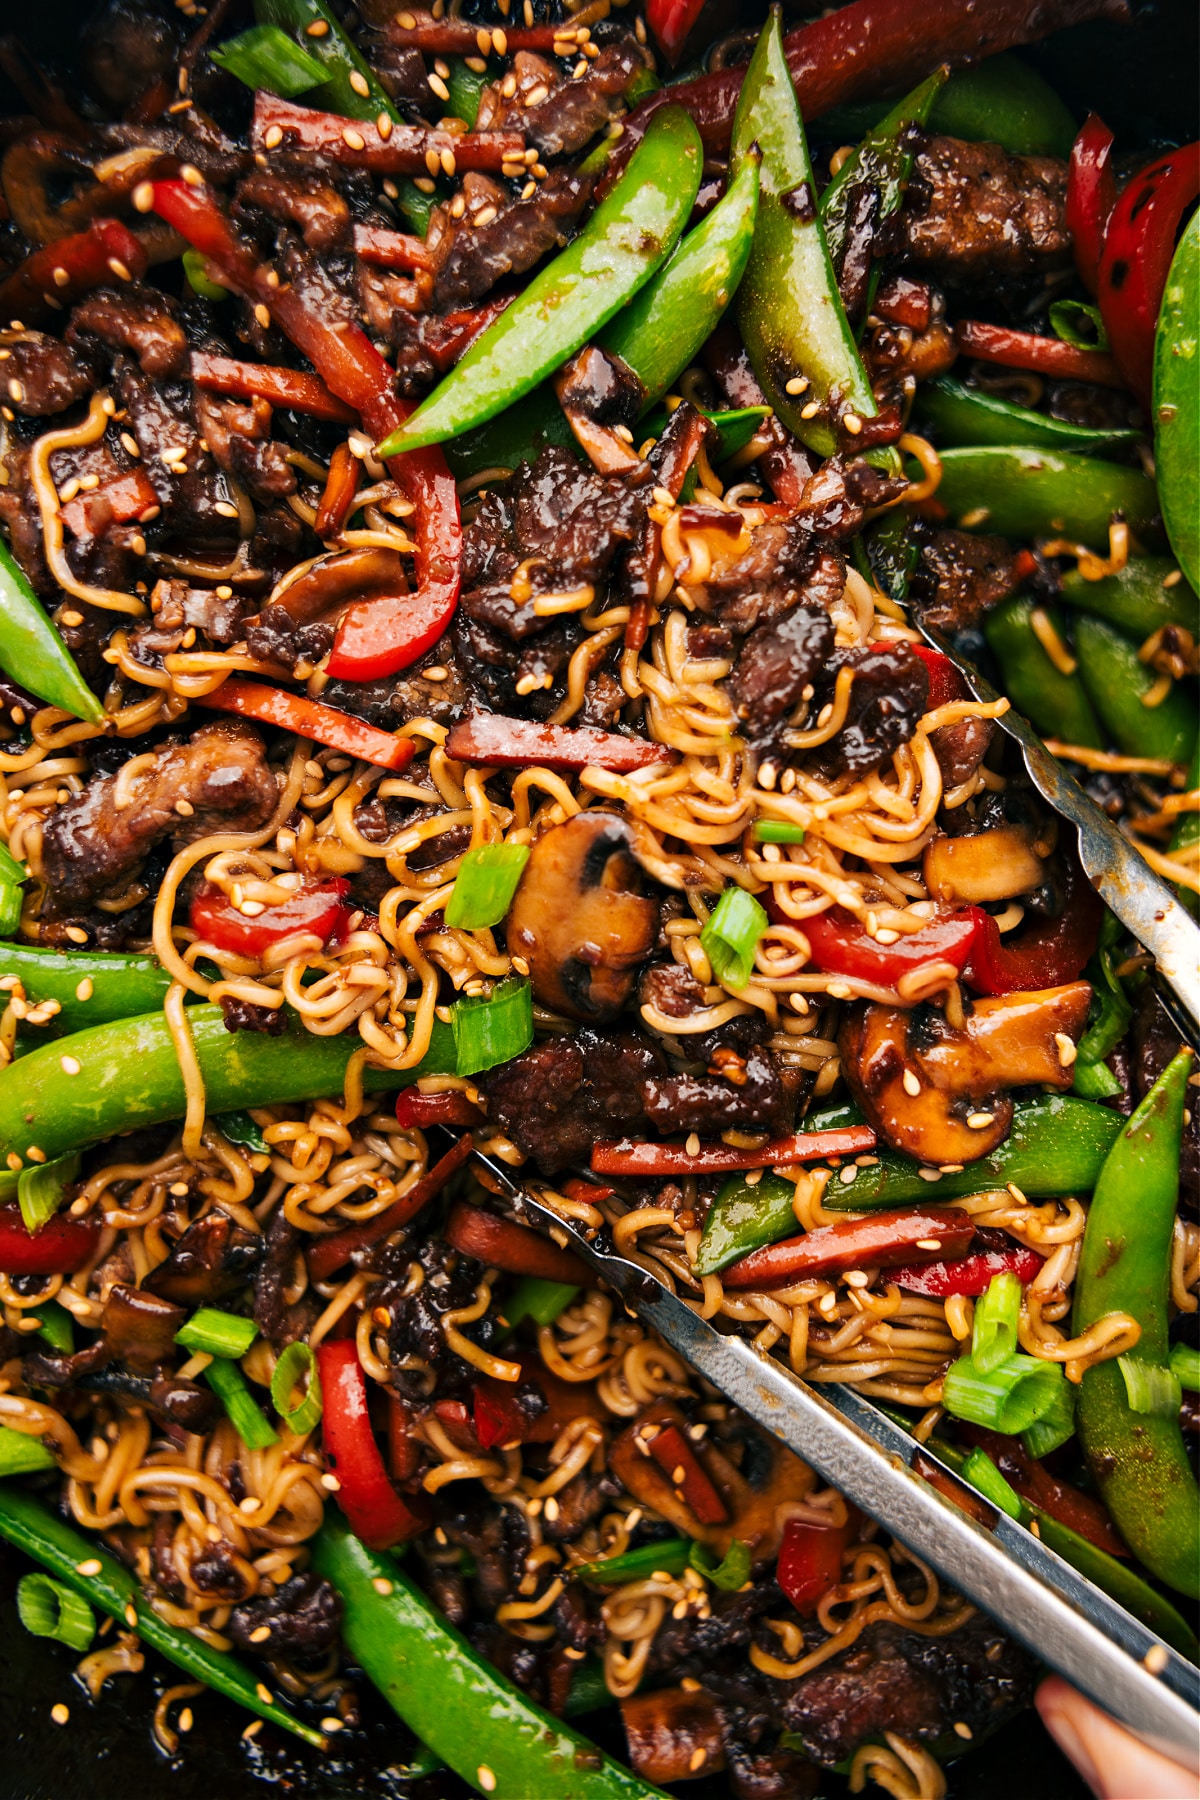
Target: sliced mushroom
[(940, 1092), (989, 865), (331, 581), (674, 1734), (598, 394), (580, 918), (140, 1328)]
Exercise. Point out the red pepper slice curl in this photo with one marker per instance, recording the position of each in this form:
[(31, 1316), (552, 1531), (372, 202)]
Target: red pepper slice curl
[(499, 1420), (359, 144), (670, 23), (877, 1241), (687, 1475), (290, 388), (61, 1246), (503, 743), (968, 1274), (1046, 954), (621, 1156), (311, 719), (374, 1509), (418, 1111), (315, 908), (337, 500), (128, 496), (329, 1254), (810, 1561), (514, 1248), (1030, 350), (62, 272), (842, 946), (1138, 247), (1091, 196)]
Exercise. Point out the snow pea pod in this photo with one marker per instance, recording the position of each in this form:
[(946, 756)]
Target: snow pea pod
[(1138, 1459), (487, 1730), (129, 1076), (31, 650), (1136, 600), (91, 987), (1186, 836), (961, 415), (1177, 402), (1055, 703), (1116, 681), (1026, 493), (629, 236), (999, 101), (341, 92), (792, 320)]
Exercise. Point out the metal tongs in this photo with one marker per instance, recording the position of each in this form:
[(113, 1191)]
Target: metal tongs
[(1060, 1617)]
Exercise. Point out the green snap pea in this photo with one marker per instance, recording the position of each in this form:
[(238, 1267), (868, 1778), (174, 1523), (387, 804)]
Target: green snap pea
[(484, 1728), (31, 650), (1137, 600), (1177, 402), (1116, 681), (466, 90), (1055, 703), (338, 56), (961, 415), (1025, 493), (1000, 101), (629, 236), (1186, 834), (129, 1076), (893, 551), (882, 161), (1139, 1460), (115, 985)]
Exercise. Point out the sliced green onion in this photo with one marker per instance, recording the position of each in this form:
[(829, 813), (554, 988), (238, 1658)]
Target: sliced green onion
[(195, 266), (491, 1029), (731, 936), (1185, 1366), (466, 90), (266, 57), (669, 1554), (731, 1573), (1055, 1426), (217, 1333), (485, 884), (296, 1362), (777, 831), (10, 868), (56, 1326), (21, 1455), (538, 1299), (1008, 1398), (41, 1187), (1077, 323), (995, 1333), (1152, 1388), (50, 1610), (1095, 1081), (982, 1473), (11, 900), (240, 1128), (226, 1380)]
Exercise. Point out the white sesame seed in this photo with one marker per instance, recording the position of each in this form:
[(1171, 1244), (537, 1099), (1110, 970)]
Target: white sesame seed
[(264, 1693), (910, 1083), (1066, 1049), (979, 1121), (929, 1243), (485, 1778), (359, 83), (273, 137), (70, 1065), (60, 1713), (382, 1585), (260, 1634)]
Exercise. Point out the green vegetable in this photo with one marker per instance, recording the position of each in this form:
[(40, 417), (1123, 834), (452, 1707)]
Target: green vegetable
[(1077, 323), (671, 1555), (1185, 1365), (217, 1333), (961, 415), (628, 236), (491, 1029), (12, 877), (538, 1299), (1177, 403), (791, 316), (195, 267), (892, 550), (240, 1128), (1111, 1015), (37, 1531), (1119, 1580), (50, 1610), (117, 985), (129, 1077), (731, 1573), (337, 56), (489, 1733), (297, 1362), (1116, 681), (1013, 1393), (994, 1334), (1152, 1388), (265, 57), (731, 936), (1054, 1427), (1024, 493), (226, 1380), (1137, 600), (40, 1189), (56, 1326), (777, 831), (1056, 704), (1139, 1460), (485, 884), (999, 101), (466, 90), (31, 650), (21, 1455), (982, 1473), (744, 1218)]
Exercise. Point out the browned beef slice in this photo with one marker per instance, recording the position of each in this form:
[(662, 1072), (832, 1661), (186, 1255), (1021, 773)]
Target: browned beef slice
[(139, 320), (573, 111), (303, 1618), (960, 577), (837, 497), (299, 197), (213, 1257), (238, 433), (757, 1100), (776, 663), (40, 375), (785, 563), (90, 846), (960, 748), (975, 214), (273, 1276), (889, 693), (562, 1095), (473, 258)]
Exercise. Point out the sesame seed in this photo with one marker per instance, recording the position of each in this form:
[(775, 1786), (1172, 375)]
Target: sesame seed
[(192, 175), (35, 1155), (698, 1758), (963, 1730), (119, 269), (1155, 1659), (331, 1724), (406, 21), (143, 196), (71, 617), (179, 1189), (60, 1713), (359, 83), (857, 1278), (186, 1719), (930, 1174), (484, 216), (485, 1778), (500, 42), (382, 1585), (979, 1121), (1016, 1193), (250, 1504), (846, 1175), (131, 1617), (929, 1243), (449, 166), (796, 385), (810, 411), (484, 40), (264, 1693), (1066, 1049), (86, 988), (433, 162), (693, 1144), (70, 1065), (852, 422), (318, 28), (260, 1635), (438, 87), (13, 1160), (255, 1726), (537, 94), (263, 317), (383, 126), (910, 1083), (273, 137), (354, 140), (226, 508), (330, 1483), (16, 391), (551, 1509)]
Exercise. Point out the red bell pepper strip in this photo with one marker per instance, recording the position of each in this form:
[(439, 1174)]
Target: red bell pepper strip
[(670, 21), (1138, 247), (359, 143), (496, 1419), (500, 1420), (945, 682), (128, 496), (329, 1254), (375, 1511), (877, 1241), (514, 1248), (967, 1274), (810, 1561), (377, 636), (622, 1156), (390, 249), (61, 1246), (1043, 955), (503, 743), (463, 37), (687, 1474), (904, 301), (337, 501), (404, 1453), (1034, 1483), (317, 908), (418, 1111), (1091, 196), (310, 719), (62, 272), (841, 946), (1029, 350), (290, 388)]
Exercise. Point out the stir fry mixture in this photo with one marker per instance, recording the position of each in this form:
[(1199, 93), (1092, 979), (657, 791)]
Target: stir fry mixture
[(483, 491)]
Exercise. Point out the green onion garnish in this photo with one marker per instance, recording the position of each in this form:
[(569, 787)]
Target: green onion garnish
[(50, 1610), (1185, 1365), (1008, 1398), (777, 831), (731, 936), (485, 884), (1077, 323), (297, 1361), (1095, 1081), (1152, 1388), (669, 1554), (995, 1332), (732, 1573), (21, 1455), (982, 1473), (249, 1421), (195, 265), (56, 1326), (240, 1128), (10, 868), (217, 1333), (12, 875), (41, 1187), (538, 1299), (265, 57), (1055, 1426), (491, 1029)]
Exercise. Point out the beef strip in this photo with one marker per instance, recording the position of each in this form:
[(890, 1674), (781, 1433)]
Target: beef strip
[(775, 665), (271, 1312), (296, 196), (162, 420), (91, 845), (40, 375), (976, 216), (960, 577), (889, 693), (753, 1097), (838, 495), (303, 1619), (238, 433), (785, 564), (136, 319), (571, 111), (563, 1094), (471, 258), (212, 1258)]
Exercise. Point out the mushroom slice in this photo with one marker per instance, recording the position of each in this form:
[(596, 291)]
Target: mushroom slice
[(580, 918), (600, 393), (674, 1734), (988, 865), (940, 1092), (329, 582)]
